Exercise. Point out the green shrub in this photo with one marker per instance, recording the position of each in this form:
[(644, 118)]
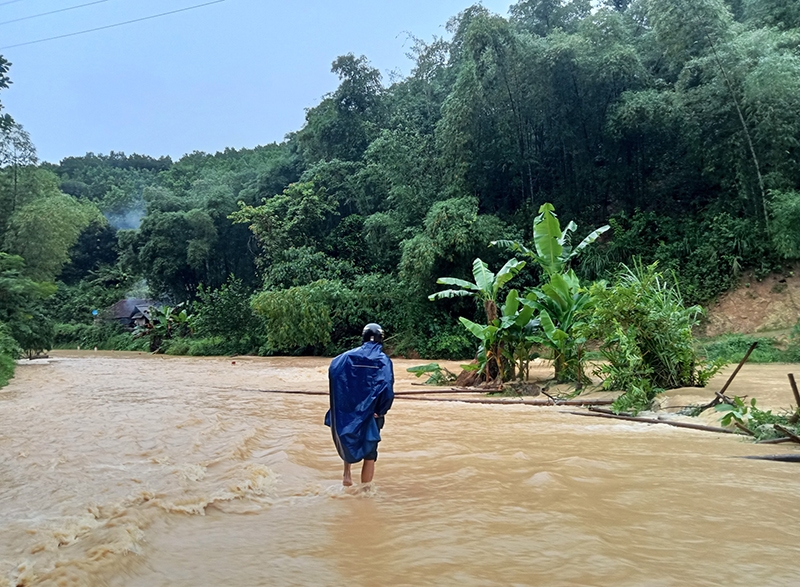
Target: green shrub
[(105, 335), (730, 348), (326, 317), (646, 336), (9, 350), (214, 346), (176, 346), (226, 311)]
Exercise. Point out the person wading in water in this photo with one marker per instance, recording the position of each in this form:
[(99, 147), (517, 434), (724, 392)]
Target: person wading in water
[(361, 385)]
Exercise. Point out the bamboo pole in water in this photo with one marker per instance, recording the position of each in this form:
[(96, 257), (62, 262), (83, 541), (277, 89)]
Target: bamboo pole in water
[(513, 402), (654, 421), (774, 441), (305, 392), (413, 395)]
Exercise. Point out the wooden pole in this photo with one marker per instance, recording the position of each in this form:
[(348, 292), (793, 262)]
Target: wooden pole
[(721, 393), (736, 371), (775, 441), (397, 393), (540, 403), (415, 395), (787, 432), (654, 421), (793, 383), (796, 416)]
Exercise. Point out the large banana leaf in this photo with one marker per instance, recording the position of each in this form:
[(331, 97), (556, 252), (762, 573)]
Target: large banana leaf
[(459, 282), (593, 236), (484, 278), (556, 335), (506, 273), (564, 240), (450, 293), (558, 290), (515, 247), (524, 317), (481, 332), (546, 237), (512, 304)]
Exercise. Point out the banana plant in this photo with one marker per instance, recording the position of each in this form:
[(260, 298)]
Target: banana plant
[(562, 305), (552, 247), (488, 351), (519, 334), (510, 336), (486, 287)]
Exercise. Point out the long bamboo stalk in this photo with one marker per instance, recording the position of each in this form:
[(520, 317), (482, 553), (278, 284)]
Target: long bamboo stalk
[(775, 441), (654, 421), (415, 395), (397, 393), (512, 402)]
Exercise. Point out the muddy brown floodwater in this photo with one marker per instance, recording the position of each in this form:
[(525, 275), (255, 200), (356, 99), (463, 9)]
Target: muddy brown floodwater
[(131, 470)]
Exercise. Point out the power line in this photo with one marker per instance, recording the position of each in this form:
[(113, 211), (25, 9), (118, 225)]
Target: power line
[(51, 12), (10, 2), (111, 26)]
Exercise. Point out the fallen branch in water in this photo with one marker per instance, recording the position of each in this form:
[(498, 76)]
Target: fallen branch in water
[(655, 421), (774, 441), (792, 436)]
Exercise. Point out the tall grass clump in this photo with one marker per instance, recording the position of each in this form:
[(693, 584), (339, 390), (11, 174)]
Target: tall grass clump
[(646, 337)]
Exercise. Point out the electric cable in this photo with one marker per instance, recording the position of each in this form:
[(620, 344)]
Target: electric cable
[(111, 26), (9, 2), (53, 12)]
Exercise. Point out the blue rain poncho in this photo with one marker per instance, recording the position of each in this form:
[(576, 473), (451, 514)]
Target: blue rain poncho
[(361, 385)]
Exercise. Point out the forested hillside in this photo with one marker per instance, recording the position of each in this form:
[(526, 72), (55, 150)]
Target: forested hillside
[(676, 122)]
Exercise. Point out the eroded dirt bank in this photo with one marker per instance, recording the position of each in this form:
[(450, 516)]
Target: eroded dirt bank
[(131, 470)]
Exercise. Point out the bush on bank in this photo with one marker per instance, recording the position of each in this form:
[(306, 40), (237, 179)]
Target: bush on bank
[(9, 351)]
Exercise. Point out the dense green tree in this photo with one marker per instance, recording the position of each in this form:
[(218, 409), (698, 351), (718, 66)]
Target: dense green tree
[(44, 229), (22, 305), (345, 122), (541, 17), (5, 119)]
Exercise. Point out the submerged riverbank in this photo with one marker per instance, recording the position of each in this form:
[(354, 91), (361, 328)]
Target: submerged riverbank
[(133, 470)]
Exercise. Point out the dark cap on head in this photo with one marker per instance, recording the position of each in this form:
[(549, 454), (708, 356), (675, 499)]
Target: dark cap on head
[(372, 333)]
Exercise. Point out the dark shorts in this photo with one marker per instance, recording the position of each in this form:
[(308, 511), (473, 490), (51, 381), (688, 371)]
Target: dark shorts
[(373, 456)]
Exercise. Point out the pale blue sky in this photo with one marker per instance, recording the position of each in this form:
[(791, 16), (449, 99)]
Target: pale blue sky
[(235, 74)]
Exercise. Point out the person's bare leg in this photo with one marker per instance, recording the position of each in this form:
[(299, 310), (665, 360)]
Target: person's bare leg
[(347, 479), (367, 471)]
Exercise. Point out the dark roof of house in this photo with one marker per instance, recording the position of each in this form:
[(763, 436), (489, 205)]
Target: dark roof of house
[(130, 307)]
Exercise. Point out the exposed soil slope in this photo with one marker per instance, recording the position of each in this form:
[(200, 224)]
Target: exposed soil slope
[(771, 304)]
